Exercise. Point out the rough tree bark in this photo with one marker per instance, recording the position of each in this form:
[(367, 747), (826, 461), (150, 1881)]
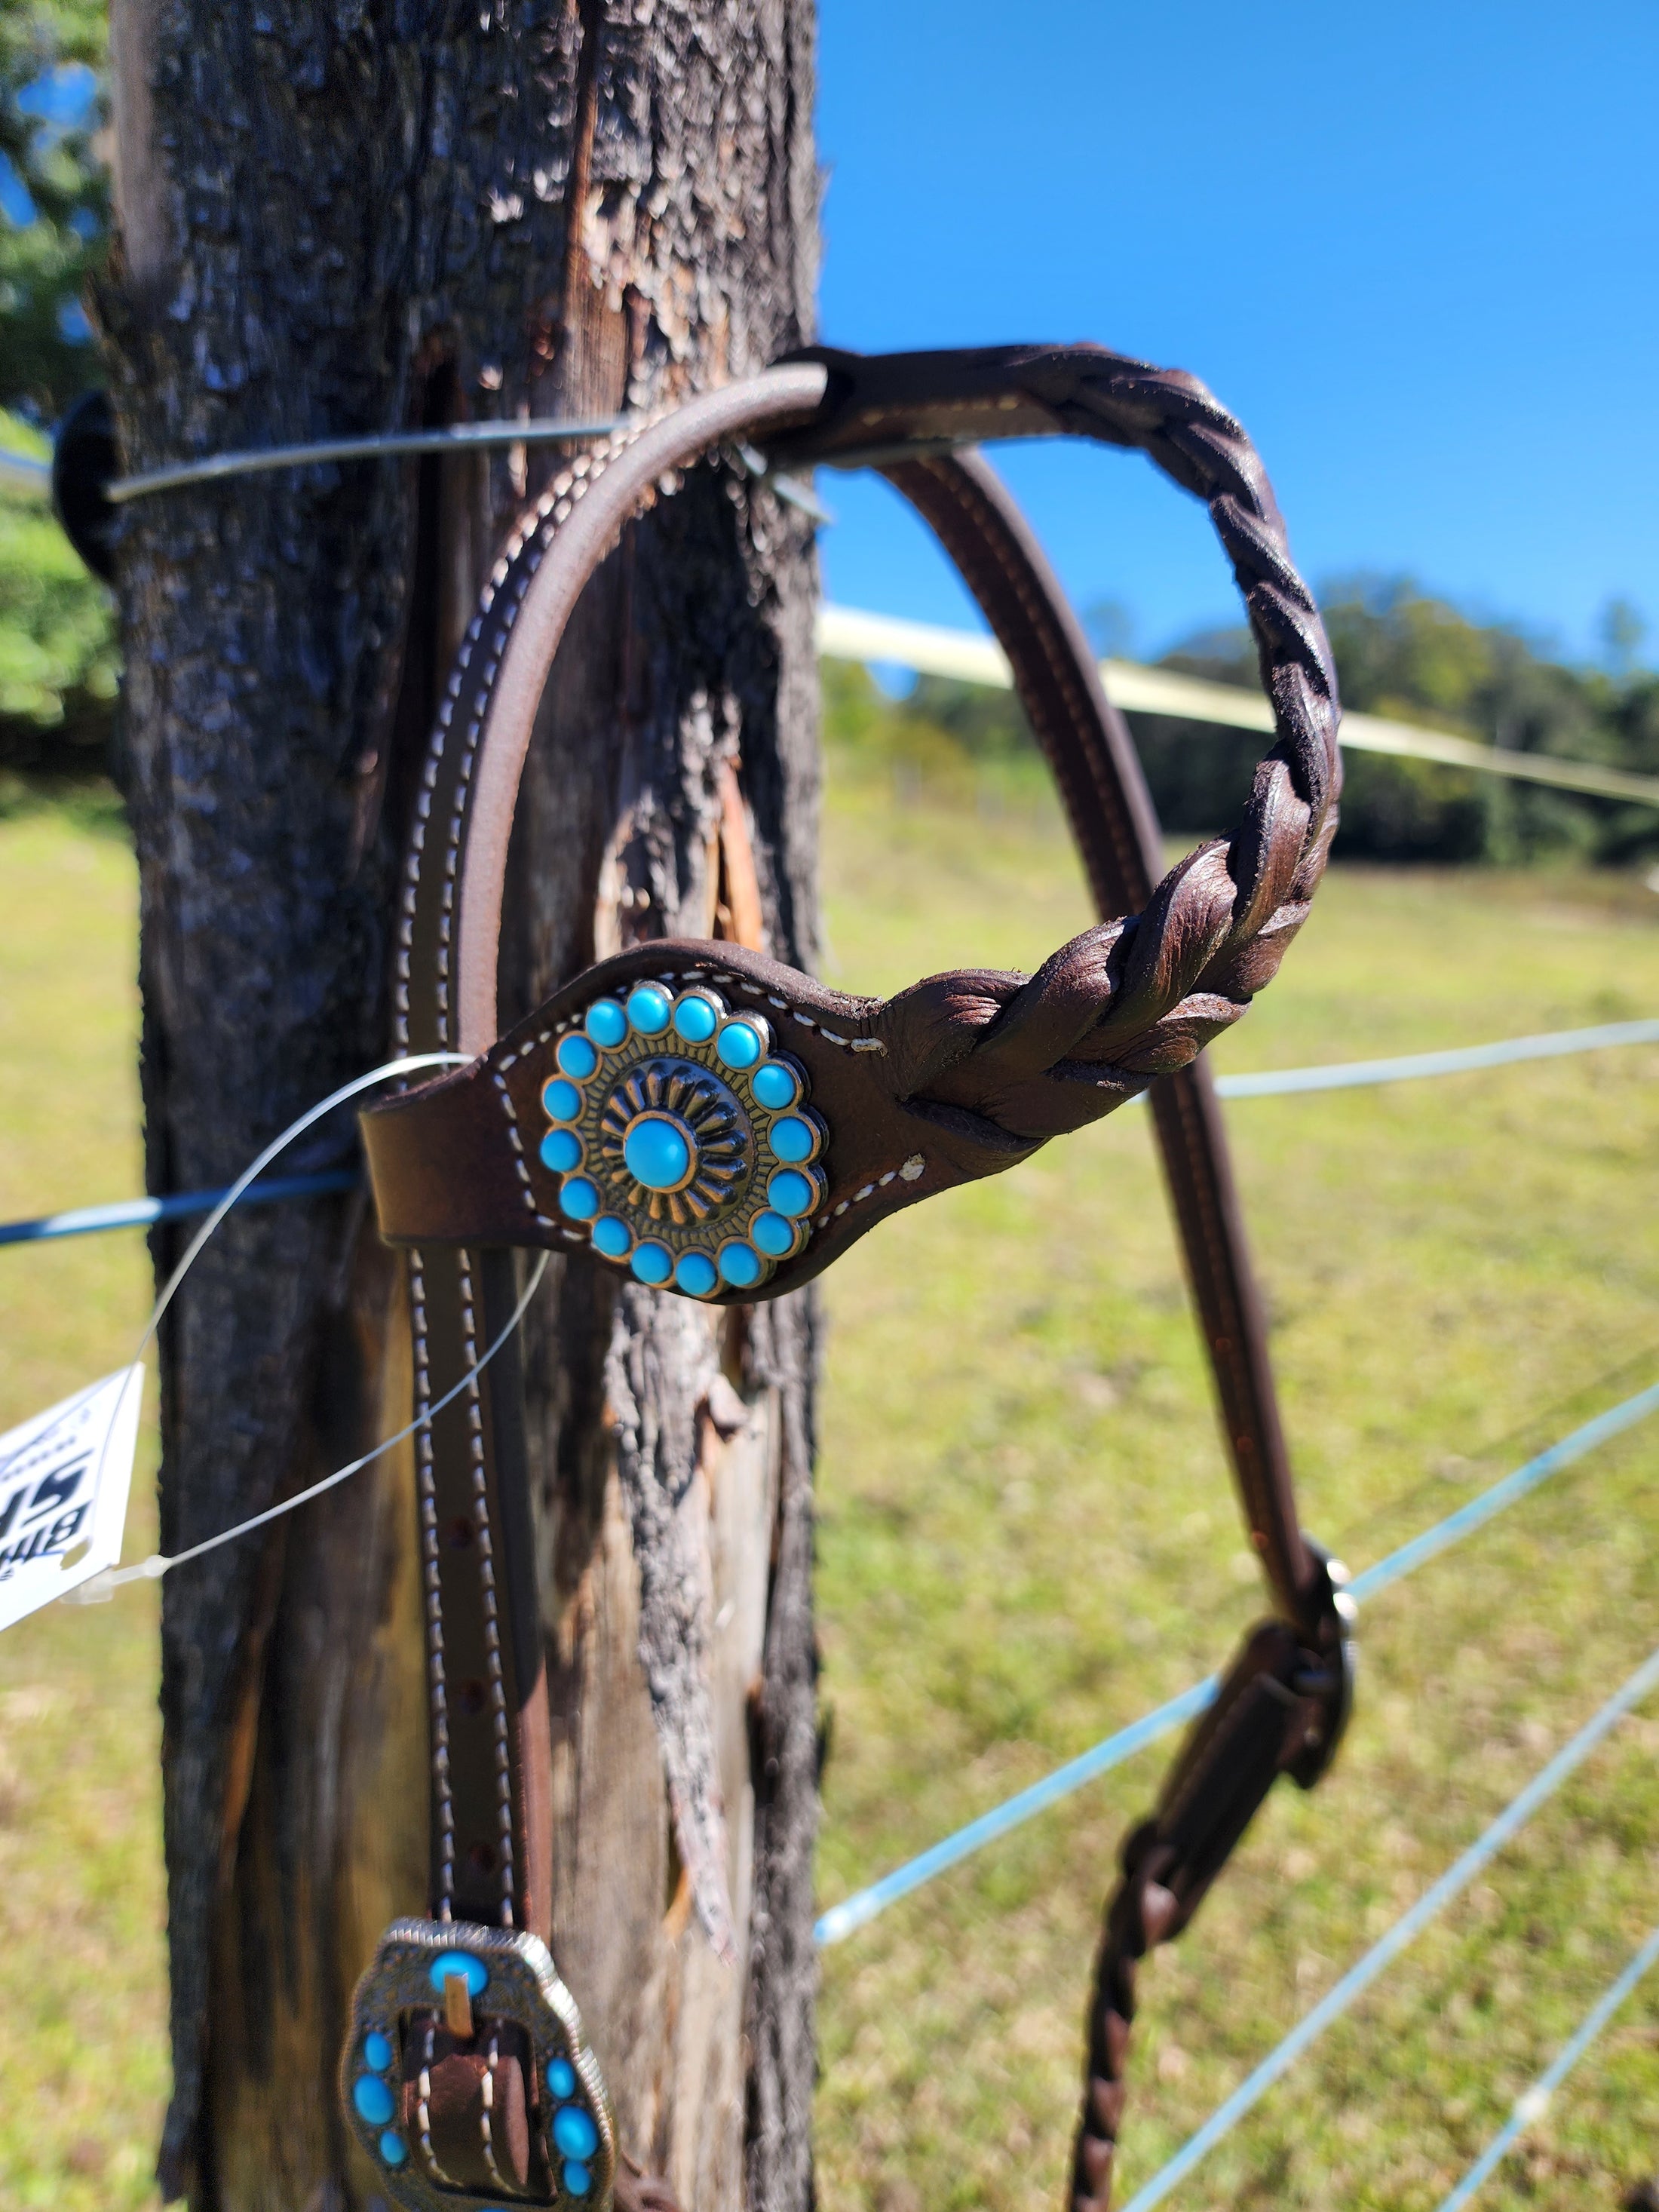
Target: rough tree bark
[(345, 219)]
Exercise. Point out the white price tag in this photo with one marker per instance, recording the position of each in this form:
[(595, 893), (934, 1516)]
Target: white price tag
[(63, 1481)]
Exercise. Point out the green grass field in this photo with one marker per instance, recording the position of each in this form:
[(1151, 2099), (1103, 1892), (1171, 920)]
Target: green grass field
[(1027, 1537)]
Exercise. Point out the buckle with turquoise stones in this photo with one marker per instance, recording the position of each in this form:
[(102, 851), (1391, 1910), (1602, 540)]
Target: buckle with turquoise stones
[(465, 2077)]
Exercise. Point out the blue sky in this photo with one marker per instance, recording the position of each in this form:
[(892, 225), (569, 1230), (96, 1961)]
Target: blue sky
[(1413, 247)]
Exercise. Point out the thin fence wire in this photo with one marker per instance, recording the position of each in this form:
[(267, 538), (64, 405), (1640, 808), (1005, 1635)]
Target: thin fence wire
[(409, 1064), (1531, 2105), (1405, 1931), (162, 1563), (1341, 1075), (180, 1205), (159, 1563), (858, 1910), (1350, 1074), (22, 471), (383, 445)]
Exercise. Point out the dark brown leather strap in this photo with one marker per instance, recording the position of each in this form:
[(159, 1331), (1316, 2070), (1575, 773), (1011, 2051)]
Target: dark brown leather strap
[(957, 1078), (492, 1754), (1100, 780)]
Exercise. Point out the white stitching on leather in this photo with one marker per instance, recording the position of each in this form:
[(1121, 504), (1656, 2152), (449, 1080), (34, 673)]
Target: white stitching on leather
[(426, 1487), (554, 508), (422, 2112), (691, 975), (486, 2106), (487, 1578), (833, 1213)]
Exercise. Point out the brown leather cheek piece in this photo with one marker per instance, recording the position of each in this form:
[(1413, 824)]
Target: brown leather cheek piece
[(956, 1077)]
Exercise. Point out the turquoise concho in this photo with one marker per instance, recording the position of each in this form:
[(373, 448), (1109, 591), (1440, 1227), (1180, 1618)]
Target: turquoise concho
[(683, 1140)]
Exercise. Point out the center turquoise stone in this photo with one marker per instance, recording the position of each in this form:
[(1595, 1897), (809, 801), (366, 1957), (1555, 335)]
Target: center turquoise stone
[(658, 1153)]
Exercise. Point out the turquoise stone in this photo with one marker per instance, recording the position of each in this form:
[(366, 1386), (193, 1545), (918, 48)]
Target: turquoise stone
[(774, 1236), (695, 1273), (793, 1139), (649, 1008), (739, 1044), (393, 2149), (577, 2179), (373, 2099), (561, 1149), (612, 1236), (562, 1100), (695, 1020), (740, 1265), (775, 1087), (573, 2132), (657, 1152), (792, 1193), (473, 1972), (377, 2050), (576, 1056), (562, 2077), (651, 1263), (578, 1198), (606, 1023)]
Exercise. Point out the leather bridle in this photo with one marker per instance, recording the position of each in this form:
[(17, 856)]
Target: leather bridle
[(700, 1117)]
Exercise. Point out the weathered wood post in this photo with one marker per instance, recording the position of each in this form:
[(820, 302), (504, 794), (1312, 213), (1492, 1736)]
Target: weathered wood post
[(343, 221)]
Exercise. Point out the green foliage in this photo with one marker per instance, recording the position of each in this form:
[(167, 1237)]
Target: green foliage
[(47, 51), (58, 663), (1400, 653)]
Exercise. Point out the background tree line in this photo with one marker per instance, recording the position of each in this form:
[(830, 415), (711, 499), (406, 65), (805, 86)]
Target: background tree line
[(1400, 651)]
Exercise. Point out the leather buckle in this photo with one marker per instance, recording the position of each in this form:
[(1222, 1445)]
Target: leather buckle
[(465, 2077)]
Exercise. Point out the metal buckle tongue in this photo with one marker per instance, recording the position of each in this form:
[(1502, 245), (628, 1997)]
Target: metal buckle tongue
[(465, 2077)]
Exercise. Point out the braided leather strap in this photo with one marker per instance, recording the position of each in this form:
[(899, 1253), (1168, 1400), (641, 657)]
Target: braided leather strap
[(1281, 1710)]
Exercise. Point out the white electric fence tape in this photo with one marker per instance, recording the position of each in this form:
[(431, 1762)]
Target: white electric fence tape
[(965, 657), (122, 1417)]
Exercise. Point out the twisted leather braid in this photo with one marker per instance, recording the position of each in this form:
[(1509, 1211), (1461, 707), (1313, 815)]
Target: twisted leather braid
[(1278, 1711), (1139, 997), (1141, 1915), (1128, 1000)]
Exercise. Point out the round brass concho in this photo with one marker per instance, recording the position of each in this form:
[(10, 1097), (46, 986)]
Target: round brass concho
[(694, 1103), (681, 1140)]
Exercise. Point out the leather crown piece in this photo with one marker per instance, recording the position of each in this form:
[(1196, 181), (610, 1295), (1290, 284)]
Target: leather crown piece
[(713, 1122)]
